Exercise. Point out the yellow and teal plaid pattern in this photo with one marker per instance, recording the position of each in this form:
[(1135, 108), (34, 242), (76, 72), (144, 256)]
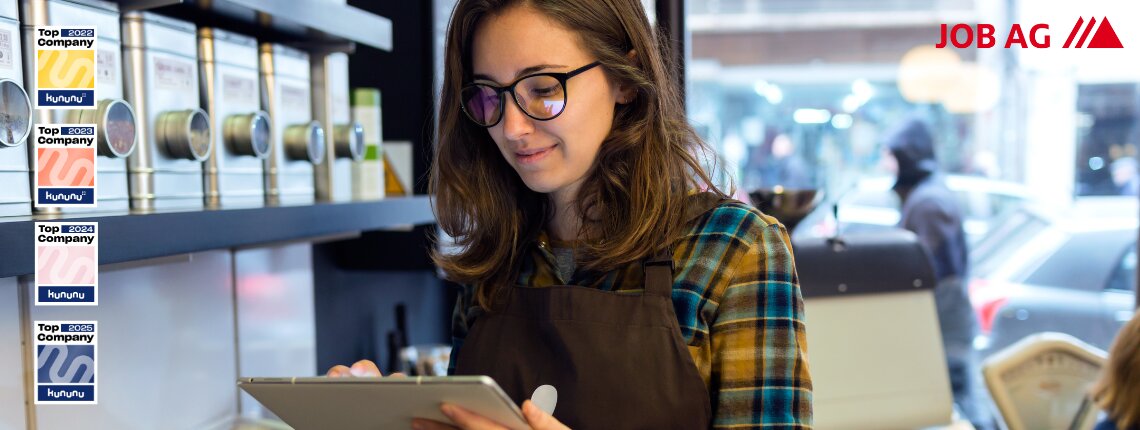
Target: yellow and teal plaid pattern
[(738, 302)]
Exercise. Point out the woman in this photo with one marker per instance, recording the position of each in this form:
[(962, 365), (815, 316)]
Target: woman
[(1118, 391), (568, 176)]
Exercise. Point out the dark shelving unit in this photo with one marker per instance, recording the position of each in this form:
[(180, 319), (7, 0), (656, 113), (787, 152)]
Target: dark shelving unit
[(127, 237), (306, 22)]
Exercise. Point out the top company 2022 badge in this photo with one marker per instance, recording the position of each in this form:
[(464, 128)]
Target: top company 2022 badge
[(67, 263), (65, 67)]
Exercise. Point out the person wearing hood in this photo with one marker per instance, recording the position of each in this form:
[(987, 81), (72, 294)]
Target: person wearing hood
[(931, 211)]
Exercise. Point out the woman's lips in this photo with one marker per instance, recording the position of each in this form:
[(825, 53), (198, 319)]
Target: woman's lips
[(533, 156)]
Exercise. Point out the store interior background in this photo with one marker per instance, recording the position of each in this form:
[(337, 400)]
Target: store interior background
[(1042, 142)]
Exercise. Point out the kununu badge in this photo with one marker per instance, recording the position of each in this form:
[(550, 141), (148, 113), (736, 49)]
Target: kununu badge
[(65, 67), (67, 263), (64, 157), (66, 356)]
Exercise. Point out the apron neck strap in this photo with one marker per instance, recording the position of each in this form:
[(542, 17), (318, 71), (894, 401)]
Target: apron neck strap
[(659, 273)]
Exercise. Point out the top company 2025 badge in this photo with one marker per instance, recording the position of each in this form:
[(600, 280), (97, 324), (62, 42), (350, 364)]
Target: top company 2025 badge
[(65, 67)]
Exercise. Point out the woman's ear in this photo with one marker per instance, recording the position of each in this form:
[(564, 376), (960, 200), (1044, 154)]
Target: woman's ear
[(626, 93)]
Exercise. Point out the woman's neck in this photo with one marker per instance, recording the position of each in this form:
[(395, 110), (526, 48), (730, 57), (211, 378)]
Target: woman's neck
[(566, 223)]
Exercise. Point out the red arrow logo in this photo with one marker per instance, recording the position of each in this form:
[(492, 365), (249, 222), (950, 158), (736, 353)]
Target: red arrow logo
[(1105, 36)]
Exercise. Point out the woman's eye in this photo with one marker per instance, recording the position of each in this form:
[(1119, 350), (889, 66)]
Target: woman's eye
[(545, 91)]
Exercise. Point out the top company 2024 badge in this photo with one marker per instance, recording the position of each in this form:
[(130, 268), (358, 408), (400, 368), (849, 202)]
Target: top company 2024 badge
[(67, 263), (65, 67)]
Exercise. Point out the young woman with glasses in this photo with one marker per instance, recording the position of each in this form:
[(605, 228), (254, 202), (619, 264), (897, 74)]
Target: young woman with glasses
[(599, 258)]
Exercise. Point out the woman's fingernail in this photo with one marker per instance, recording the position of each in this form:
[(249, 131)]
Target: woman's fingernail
[(416, 425), (448, 410), (528, 410)]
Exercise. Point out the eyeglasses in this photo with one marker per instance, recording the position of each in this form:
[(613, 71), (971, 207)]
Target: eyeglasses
[(542, 97)]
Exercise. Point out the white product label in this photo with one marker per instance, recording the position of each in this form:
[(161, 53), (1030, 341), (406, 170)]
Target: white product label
[(238, 89), (6, 49), (294, 97), (173, 74), (108, 69), (340, 104)]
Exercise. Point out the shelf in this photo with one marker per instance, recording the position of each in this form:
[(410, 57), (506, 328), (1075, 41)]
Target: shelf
[(309, 22), (129, 237)]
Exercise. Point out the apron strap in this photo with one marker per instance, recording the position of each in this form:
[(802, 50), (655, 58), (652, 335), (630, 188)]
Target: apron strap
[(659, 273)]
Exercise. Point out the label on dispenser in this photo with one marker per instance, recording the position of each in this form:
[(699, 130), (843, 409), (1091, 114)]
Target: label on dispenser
[(67, 263), (66, 362), (173, 73), (107, 67), (65, 67), (6, 49), (64, 158), (239, 89)]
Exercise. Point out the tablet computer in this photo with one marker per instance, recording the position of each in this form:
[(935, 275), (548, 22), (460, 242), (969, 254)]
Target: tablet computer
[(321, 403)]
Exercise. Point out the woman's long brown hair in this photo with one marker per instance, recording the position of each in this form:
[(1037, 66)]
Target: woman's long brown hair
[(1118, 390), (633, 196)]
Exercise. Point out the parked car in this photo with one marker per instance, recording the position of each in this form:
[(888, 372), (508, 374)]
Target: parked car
[(1070, 271), (872, 206)]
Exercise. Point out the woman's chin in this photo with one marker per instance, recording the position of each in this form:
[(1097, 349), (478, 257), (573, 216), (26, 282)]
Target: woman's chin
[(540, 184)]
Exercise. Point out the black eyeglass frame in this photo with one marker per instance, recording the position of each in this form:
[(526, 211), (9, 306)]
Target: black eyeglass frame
[(501, 92)]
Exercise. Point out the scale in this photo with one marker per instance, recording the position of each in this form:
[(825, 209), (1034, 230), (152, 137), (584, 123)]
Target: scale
[(1042, 382)]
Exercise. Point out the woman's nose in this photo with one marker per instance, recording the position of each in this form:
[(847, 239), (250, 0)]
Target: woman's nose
[(516, 124)]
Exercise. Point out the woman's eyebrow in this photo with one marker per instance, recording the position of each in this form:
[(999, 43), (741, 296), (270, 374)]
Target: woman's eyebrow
[(520, 73)]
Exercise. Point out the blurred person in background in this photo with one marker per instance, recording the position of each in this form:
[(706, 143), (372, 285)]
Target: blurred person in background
[(775, 162), (930, 210), (1117, 393), (1125, 176)]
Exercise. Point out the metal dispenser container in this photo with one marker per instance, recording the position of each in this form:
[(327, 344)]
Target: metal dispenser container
[(298, 139), (161, 64), (241, 130), (113, 116), (15, 119), (346, 140)]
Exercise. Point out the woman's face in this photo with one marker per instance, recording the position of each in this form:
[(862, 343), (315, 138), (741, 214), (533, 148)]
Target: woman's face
[(551, 156)]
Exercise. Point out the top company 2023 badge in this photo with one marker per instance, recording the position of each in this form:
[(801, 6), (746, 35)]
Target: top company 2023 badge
[(65, 67)]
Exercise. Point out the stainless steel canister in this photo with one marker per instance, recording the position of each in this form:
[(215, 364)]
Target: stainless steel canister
[(298, 139), (346, 137), (241, 129), (15, 118), (161, 64)]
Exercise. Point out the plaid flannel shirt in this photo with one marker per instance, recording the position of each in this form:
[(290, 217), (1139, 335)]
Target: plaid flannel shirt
[(737, 299)]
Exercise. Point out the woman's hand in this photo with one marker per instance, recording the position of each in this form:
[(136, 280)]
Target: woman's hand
[(467, 420), (360, 368)]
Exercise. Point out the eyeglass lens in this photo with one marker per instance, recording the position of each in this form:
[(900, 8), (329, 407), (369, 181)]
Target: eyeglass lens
[(541, 97)]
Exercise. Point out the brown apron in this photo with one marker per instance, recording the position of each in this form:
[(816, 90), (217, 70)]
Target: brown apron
[(617, 360)]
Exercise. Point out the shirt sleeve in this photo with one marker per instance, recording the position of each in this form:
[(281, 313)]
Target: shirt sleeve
[(759, 377), (459, 323)]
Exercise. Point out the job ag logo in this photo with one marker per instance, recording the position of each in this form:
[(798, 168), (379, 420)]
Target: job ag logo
[(963, 36)]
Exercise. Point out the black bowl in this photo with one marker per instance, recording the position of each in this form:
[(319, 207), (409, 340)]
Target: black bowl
[(787, 206)]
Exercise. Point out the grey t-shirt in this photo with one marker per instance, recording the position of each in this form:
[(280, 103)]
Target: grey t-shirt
[(565, 259)]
